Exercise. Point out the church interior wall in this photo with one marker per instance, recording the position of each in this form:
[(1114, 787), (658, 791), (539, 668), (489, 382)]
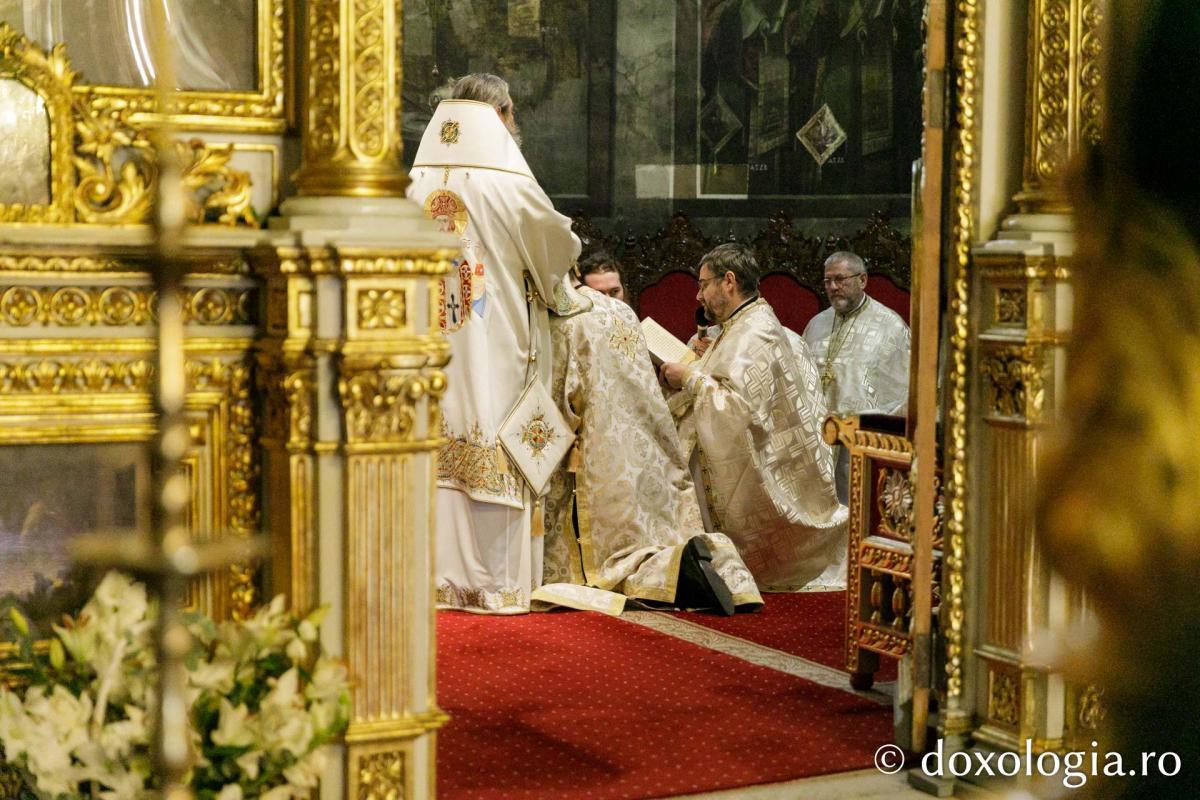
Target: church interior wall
[(643, 130)]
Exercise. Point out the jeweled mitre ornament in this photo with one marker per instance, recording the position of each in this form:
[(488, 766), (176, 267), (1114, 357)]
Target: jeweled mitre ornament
[(449, 132)]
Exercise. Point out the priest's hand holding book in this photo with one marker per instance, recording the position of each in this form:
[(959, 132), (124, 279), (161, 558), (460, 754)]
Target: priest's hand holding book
[(673, 374)]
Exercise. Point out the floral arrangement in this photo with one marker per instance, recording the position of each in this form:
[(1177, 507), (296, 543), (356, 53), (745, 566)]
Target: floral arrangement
[(262, 695)]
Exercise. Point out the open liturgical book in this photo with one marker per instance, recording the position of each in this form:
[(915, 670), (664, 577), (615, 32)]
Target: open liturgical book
[(664, 346)]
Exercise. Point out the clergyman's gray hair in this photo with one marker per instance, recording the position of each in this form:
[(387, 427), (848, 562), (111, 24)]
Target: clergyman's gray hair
[(853, 262), (736, 258), (484, 87)]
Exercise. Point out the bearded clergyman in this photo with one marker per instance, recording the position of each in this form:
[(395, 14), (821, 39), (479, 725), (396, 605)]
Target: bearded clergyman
[(472, 180), (622, 515), (750, 413), (861, 348)]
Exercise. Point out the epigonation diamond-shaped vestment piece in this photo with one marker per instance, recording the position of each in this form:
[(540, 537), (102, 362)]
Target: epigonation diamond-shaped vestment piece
[(470, 177), (750, 413), (621, 509)]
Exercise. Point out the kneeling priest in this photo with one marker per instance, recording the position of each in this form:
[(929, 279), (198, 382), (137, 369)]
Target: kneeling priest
[(621, 512), (750, 414)]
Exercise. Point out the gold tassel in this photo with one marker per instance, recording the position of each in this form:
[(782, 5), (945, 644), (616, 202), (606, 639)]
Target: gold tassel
[(574, 459), (538, 527)]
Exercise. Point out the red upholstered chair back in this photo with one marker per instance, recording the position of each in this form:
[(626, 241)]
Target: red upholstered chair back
[(672, 301), (659, 268)]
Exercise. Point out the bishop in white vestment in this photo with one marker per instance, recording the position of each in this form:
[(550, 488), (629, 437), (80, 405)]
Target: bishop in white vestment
[(621, 511), (471, 178), (751, 412)]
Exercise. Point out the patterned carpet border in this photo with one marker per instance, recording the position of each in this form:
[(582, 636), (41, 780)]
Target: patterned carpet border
[(754, 653)]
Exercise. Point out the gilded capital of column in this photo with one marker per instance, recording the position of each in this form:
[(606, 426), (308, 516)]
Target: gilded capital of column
[(1064, 109), (351, 110)]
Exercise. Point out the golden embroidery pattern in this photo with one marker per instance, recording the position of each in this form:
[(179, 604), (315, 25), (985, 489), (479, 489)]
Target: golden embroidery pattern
[(474, 466), (455, 596), (538, 435), (449, 132), (624, 339)]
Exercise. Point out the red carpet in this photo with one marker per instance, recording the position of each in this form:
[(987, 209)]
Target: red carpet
[(811, 625), (581, 705)]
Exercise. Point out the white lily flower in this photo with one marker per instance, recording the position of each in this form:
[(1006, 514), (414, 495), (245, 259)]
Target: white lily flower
[(230, 791), (233, 729)]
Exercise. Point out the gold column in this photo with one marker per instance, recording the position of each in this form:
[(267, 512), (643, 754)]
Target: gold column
[(1018, 347), (389, 382), (1063, 95), (352, 372), (352, 365), (287, 381), (351, 107)]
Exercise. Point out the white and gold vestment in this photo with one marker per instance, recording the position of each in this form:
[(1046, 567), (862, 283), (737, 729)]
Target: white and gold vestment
[(471, 178), (863, 357), (751, 410), (621, 510)]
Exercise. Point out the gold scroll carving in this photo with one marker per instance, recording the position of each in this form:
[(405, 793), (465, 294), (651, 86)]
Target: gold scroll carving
[(351, 118), (118, 306), (102, 163), (1064, 112)]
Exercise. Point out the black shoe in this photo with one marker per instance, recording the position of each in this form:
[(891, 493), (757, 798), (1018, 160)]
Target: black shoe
[(699, 585)]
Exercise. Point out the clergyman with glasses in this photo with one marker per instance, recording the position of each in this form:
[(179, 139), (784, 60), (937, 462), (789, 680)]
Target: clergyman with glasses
[(749, 414), (861, 348)]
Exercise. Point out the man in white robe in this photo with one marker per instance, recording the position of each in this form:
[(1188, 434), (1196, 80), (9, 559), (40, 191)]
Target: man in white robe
[(621, 514), (750, 411), (862, 351), (471, 178)]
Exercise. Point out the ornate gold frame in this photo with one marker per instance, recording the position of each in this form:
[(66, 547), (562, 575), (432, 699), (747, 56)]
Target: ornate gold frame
[(258, 111), (50, 77), (102, 162), (59, 385)]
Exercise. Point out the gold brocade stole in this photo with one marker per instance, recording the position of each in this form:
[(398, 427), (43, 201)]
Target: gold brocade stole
[(842, 326)]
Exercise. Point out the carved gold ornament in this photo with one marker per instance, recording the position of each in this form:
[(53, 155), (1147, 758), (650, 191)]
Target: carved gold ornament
[(966, 56), (381, 776), (382, 309), (1002, 699), (53, 376), (1010, 306), (103, 165), (1015, 381), (1091, 707), (895, 504), (380, 406), (118, 306), (1065, 89)]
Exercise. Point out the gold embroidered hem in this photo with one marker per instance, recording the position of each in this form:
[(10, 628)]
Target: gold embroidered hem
[(478, 469), (462, 598)]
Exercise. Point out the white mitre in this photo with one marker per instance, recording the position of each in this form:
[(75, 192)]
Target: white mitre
[(467, 133)]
